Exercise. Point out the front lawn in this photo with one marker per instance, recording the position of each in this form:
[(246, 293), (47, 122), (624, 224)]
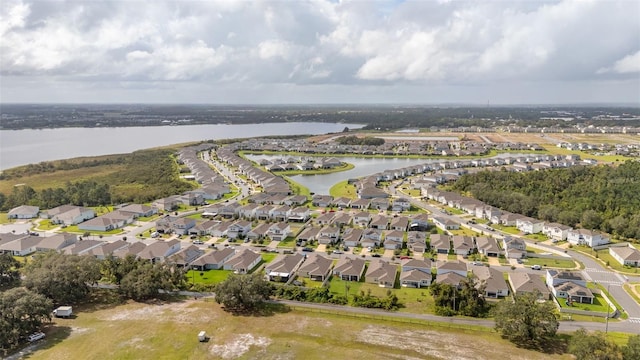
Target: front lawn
[(268, 257), (45, 225), (343, 189), (553, 263), (76, 230), (207, 276), (599, 305), (288, 242), (507, 229), (537, 237)]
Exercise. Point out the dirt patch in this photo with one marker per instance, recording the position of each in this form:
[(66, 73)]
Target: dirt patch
[(239, 346), (429, 344), (174, 312), (136, 343)]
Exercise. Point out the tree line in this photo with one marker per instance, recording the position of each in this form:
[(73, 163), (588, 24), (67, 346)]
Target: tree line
[(142, 176), (354, 140), (594, 197)]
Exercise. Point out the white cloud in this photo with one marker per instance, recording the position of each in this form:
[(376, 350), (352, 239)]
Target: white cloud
[(321, 42), (626, 65), (273, 48)]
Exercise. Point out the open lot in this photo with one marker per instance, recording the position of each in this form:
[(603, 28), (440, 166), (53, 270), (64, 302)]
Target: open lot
[(169, 331)]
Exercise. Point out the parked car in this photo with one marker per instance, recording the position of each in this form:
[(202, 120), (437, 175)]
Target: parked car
[(375, 255), (338, 252), (536, 267), (35, 336), (198, 242), (307, 249)]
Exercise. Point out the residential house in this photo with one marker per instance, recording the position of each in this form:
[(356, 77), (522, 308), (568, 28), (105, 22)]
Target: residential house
[(22, 246), (555, 231), (279, 231), (508, 219), (341, 219), (450, 278), (24, 212), (514, 248), (416, 241), (159, 250), (456, 266), (419, 222), (283, 267), (416, 273), (325, 219), (586, 237), (487, 246), (529, 226), (379, 204), (316, 267), (204, 228), (361, 204), (238, 229), (351, 237), (321, 200), (382, 273), (213, 260), (130, 250), (349, 269), (494, 284), (573, 292), (299, 214), (259, 232), (380, 222), (69, 214), (57, 242), (627, 255), (184, 257), (522, 283), (329, 235), (393, 239), (371, 238), (399, 223), (167, 204), (243, 262), (140, 210), (462, 245), (440, 243), (400, 204), (445, 224), (362, 218), (82, 247), (107, 249)]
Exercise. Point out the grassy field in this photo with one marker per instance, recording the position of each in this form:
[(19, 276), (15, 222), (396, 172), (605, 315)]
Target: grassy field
[(169, 331), (207, 276), (4, 219), (553, 263), (343, 189), (344, 167)]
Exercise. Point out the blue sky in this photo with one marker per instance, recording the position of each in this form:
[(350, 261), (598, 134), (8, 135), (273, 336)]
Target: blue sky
[(320, 51)]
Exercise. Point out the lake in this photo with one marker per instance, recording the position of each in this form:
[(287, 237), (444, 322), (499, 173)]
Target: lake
[(22, 147), (321, 183)]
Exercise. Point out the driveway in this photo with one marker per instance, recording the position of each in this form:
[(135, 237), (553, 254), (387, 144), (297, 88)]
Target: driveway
[(388, 254), (493, 261), (321, 248)]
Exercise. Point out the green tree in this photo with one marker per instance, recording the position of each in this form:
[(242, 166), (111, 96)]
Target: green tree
[(147, 279), (9, 273), (21, 313), (591, 219), (243, 293), (65, 279), (525, 321), (595, 346), (632, 350)]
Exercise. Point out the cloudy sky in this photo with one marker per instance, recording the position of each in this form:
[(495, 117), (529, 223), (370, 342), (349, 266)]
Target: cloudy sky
[(320, 51)]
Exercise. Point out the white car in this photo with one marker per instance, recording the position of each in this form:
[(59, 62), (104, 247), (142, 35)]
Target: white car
[(536, 267), (35, 336)]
